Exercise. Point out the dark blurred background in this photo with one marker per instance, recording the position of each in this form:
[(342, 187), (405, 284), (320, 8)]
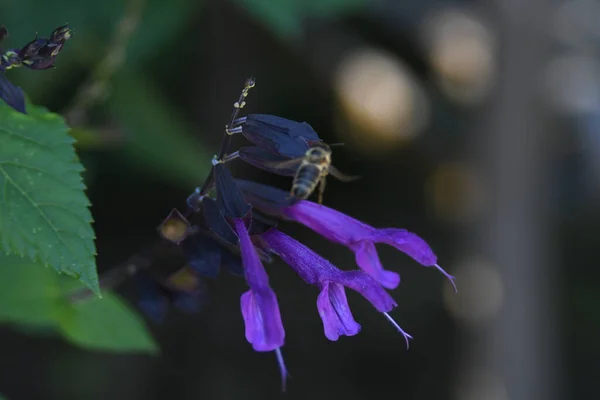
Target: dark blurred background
[(475, 124)]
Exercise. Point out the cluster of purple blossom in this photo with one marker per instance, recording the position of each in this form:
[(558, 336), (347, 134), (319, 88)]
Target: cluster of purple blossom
[(233, 222)]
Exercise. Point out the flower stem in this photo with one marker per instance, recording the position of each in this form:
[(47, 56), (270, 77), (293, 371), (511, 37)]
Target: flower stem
[(237, 106)]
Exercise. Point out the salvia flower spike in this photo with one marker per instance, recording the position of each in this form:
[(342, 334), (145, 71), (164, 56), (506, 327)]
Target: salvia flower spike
[(238, 228)]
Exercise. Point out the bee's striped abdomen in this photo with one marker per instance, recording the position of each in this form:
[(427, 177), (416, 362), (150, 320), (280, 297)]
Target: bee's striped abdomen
[(306, 180)]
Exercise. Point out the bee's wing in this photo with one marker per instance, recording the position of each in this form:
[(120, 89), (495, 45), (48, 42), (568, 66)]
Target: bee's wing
[(291, 163), (342, 177), (11, 94), (267, 161)]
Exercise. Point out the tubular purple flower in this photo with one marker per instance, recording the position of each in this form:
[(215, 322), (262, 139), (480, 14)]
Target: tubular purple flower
[(361, 239), (264, 329), (332, 304)]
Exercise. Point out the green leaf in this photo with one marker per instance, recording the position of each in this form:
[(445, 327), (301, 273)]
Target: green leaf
[(29, 293), (2, 397), (37, 300), (286, 17), (107, 324), (44, 212)]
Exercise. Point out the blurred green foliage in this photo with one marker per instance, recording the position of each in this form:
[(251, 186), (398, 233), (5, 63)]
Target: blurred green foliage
[(285, 17), (37, 297), (157, 139), (161, 144), (44, 212), (108, 324)]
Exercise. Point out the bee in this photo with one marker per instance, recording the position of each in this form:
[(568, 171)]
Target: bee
[(313, 168)]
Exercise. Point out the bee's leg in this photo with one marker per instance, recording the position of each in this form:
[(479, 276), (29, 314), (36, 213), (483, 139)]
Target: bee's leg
[(342, 177), (322, 182)]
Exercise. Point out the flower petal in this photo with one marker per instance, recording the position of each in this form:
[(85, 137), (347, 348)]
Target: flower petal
[(368, 260), (332, 224), (229, 197), (406, 242), (262, 320), (335, 312), (285, 126), (260, 310)]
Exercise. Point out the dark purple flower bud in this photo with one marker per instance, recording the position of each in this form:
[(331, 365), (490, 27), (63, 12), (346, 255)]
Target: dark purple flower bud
[(12, 94), (41, 53), (229, 197), (283, 126), (260, 223), (316, 270), (203, 254), (261, 158), (264, 329), (278, 135), (61, 34), (216, 222), (151, 298), (266, 198)]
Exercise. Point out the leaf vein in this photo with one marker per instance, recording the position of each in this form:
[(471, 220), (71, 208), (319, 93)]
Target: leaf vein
[(35, 206)]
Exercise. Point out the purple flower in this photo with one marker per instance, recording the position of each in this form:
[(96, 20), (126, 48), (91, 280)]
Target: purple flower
[(361, 239), (259, 305), (332, 304), (340, 228), (264, 329)]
